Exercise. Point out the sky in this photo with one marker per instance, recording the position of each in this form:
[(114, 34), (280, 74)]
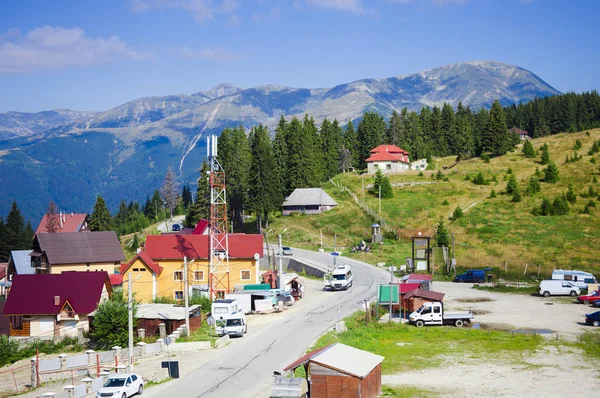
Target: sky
[(95, 55)]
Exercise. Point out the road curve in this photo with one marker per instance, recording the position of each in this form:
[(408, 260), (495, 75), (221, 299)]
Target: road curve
[(245, 370)]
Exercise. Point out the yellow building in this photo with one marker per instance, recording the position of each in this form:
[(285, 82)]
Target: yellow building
[(158, 269), (55, 253)]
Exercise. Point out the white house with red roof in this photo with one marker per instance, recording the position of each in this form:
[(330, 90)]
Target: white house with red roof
[(388, 159)]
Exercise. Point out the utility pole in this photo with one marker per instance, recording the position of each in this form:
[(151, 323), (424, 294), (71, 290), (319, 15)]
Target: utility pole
[(130, 313), (321, 231), (280, 263), (185, 296), (391, 289), (268, 250), (362, 178)]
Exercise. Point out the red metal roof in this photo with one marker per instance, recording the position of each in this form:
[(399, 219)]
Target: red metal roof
[(144, 258), (200, 227), (388, 148), (426, 294), (70, 223), (407, 287), (386, 156), (306, 358), (170, 247), (35, 294), (116, 279)]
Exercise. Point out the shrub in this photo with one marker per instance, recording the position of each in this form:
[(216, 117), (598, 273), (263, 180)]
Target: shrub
[(485, 157), (420, 174), (577, 145), (593, 160), (493, 194), (545, 159), (509, 171), (446, 179), (439, 175), (587, 133), (9, 350), (558, 207), (445, 202), (591, 193), (512, 186), (516, 197), (458, 213), (595, 148), (467, 178), (570, 195), (533, 186)]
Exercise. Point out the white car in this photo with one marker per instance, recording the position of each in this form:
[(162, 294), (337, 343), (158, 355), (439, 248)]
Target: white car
[(121, 386)]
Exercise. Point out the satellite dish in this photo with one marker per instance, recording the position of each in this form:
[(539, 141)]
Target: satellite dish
[(256, 256)]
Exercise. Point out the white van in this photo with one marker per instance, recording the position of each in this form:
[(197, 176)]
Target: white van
[(340, 279), (577, 278), (558, 288), (226, 308), (233, 326)]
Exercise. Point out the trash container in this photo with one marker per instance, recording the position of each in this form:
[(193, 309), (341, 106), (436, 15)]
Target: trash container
[(173, 367)]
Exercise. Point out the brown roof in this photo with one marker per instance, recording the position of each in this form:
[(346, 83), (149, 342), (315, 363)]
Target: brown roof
[(305, 358), (426, 294), (65, 223), (76, 247)]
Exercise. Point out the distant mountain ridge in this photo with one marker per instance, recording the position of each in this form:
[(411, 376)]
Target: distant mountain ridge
[(125, 151)]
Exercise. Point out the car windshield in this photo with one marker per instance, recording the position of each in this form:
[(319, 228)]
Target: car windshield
[(286, 248), (234, 322), (114, 383), (339, 277)]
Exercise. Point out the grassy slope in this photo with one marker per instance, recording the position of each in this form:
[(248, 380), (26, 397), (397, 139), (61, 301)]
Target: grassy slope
[(492, 231)]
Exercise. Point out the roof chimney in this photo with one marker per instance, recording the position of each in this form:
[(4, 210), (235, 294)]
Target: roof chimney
[(71, 214), (61, 219), (56, 300)]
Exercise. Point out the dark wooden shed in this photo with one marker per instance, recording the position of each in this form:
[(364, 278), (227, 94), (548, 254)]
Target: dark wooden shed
[(339, 370), (415, 298)]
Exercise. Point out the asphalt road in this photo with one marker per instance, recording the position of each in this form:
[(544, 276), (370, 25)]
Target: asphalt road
[(246, 369)]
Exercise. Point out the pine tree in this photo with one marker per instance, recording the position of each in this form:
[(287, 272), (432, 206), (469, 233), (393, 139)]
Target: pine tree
[(414, 137), (201, 208), (464, 146), (496, 139), (570, 195), (381, 181), (264, 194), (545, 154), (442, 236), (351, 143), (516, 195), (440, 145), (371, 133), (534, 186), (528, 150), (186, 196), (280, 153), (551, 173), (331, 138), (100, 220), (169, 191), (156, 211), (449, 128), (313, 157), (121, 217), (296, 159), (395, 132), (51, 218), (458, 213), (511, 186)]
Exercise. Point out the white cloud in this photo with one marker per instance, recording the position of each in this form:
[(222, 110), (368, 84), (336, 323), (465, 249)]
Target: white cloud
[(207, 54), (354, 6), (50, 47), (201, 10)]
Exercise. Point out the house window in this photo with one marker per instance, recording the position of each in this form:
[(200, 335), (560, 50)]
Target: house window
[(178, 294), (388, 166), (136, 270), (198, 275), (245, 275), (142, 269), (177, 275)]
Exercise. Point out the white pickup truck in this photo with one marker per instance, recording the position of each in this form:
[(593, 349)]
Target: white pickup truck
[(433, 314)]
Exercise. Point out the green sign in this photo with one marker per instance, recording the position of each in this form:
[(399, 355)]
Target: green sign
[(384, 294)]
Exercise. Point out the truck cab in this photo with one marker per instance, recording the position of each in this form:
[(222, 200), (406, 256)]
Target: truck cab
[(340, 278)]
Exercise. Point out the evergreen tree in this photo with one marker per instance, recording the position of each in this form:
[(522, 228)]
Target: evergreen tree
[(28, 235), (351, 143), (534, 186), (156, 210), (442, 236), (512, 185), (570, 195), (264, 194), (458, 213), (313, 157), (122, 216), (381, 181), (371, 133), (496, 138), (201, 208), (296, 160), (545, 154), (528, 150), (395, 132), (169, 191), (464, 146), (331, 143), (186, 196), (449, 128), (414, 137), (516, 195), (479, 126), (52, 218), (100, 220), (551, 173), (234, 158), (280, 153), (111, 320), (440, 145)]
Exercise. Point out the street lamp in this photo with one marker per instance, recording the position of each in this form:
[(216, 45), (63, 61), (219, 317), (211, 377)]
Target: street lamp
[(165, 214), (130, 313), (268, 248), (281, 261), (186, 288)]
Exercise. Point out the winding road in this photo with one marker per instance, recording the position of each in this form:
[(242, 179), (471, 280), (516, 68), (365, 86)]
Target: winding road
[(245, 367)]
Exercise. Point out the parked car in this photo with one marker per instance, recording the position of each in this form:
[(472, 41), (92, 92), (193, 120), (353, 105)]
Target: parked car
[(558, 288), (234, 326), (593, 318), (472, 276), (434, 314), (176, 227), (590, 298), (121, 386), (284, 296), (596, 304)]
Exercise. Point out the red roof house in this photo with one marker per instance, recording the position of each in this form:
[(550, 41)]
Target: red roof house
[(388, 159), (55, 305), (169, 247), (65, 223)]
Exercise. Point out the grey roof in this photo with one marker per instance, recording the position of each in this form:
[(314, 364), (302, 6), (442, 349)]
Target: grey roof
[(22, 262), (81, 247), (348, 360), (163, 311), (309, 196)]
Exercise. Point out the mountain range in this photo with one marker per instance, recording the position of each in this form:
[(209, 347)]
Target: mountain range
[(72, 156)]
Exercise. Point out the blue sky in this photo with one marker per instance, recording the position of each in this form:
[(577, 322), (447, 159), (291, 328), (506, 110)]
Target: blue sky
[(94, 55)]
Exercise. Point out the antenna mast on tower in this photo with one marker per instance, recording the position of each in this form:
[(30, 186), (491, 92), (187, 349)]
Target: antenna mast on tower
[(219, 241)]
